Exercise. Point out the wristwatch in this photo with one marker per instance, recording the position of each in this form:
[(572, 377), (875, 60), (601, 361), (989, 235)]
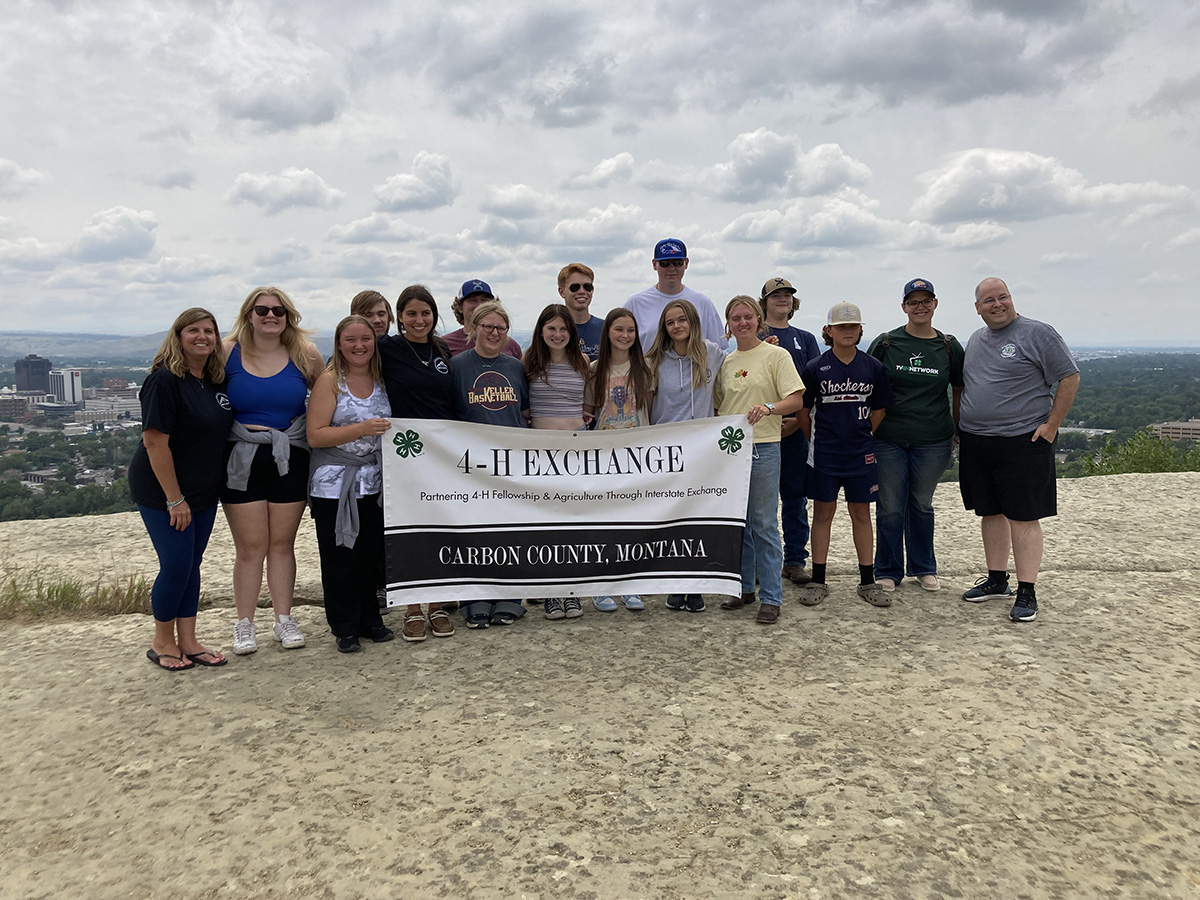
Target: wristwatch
[(770, 408)]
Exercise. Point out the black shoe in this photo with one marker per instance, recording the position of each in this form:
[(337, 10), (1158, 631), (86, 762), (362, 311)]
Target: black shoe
[(985, 588), (695, 603), (379, 633), (349, 644), (676, 601), (1025, 609)]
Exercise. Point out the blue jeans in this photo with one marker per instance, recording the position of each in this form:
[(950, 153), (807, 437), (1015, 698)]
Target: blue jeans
[(908, 475), (176, 591), (761, 551), (793, 495)]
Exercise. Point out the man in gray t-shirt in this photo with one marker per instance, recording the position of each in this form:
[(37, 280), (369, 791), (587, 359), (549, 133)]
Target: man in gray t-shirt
[(1009, 419)]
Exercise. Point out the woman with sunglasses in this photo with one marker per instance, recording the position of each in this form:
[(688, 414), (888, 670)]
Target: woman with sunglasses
[(913, 443), (270, 365)]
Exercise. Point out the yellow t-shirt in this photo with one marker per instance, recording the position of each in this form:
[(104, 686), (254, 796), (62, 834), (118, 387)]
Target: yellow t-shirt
[(749, 378)]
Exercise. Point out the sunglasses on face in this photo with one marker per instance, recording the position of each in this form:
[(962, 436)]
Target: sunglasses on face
[(278, 312), (587, 286), (667, 263)]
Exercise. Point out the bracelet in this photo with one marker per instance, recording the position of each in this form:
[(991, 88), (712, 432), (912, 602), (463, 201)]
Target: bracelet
[(171, 504)]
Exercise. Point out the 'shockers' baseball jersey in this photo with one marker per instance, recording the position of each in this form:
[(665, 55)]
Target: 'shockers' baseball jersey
[(842, 397)]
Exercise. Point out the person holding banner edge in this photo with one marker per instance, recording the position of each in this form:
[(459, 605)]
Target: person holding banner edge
[(348, 413), (416, 376), (759, 380)]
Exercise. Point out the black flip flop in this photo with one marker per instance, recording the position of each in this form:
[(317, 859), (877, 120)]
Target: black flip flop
[(196, 658), (157, 659)]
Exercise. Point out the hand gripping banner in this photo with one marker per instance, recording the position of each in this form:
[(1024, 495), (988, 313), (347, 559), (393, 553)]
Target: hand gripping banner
[(481, 512)]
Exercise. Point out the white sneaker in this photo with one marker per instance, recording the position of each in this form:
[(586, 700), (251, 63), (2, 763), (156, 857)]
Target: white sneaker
[(633, 602), (930, 582), (605, 604), (287, 632), (572, 608), (887, 584), (244, 637)]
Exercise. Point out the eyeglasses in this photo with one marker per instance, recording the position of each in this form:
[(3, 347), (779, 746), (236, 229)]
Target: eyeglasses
[(494, 329), (587, 286), (278, 312), (928, 301), (667, 263)]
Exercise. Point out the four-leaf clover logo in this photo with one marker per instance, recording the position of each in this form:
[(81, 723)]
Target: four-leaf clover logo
[(408, 444), (731, 439)]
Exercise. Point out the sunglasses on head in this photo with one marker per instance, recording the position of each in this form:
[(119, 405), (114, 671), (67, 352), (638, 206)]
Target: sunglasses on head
[(667, 263), (278, 312), (587, 286)]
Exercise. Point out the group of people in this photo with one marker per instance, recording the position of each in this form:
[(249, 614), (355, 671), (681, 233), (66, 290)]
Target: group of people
[(262, 424)]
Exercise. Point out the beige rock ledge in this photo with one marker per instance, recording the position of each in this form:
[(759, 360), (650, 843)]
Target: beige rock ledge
[(928, 750)]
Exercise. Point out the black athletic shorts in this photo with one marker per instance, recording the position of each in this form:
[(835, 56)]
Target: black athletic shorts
[(265, 482), (1008, 476)]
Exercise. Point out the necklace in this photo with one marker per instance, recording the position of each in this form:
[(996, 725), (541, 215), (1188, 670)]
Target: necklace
[(424, 362)]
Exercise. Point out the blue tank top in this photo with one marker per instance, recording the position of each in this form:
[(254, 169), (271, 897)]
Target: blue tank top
[(270, 402)]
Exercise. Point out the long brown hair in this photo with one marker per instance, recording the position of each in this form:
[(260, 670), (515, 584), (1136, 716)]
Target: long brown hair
[(170, 354), (639, 375), (697, 352), (422, 293), (537, 358)]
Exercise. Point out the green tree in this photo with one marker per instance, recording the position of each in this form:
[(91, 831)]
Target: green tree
[(1144, 452)]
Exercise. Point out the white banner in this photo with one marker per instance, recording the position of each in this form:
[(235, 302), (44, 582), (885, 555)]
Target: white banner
[(481, 512)]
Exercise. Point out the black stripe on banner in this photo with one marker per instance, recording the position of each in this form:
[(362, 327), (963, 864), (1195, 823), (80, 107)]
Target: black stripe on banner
[(549, 554)]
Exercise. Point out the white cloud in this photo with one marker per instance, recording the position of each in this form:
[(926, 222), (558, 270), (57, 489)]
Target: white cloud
[(16, 180), (117, 233), (613, 226), (288, 253), (171, 180), (1186, 239), (376, 228), (1064, 258), (1173, 96), (291, 187), (1018, 185), (617, 169), (1157, 279), (179, 270), (519, 201), (427, 185), (762, 165), (29, 254)]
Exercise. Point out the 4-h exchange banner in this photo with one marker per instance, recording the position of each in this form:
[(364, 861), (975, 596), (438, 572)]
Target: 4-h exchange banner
[(480, 512)]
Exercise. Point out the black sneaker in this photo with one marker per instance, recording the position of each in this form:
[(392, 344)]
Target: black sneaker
[(379, 634), (1025, 609), (348, 644), (695, 603), (676, 601), (985, 588)]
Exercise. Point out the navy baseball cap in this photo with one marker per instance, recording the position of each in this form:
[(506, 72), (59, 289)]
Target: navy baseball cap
[(671, 248), (918, 284), (475, 286)]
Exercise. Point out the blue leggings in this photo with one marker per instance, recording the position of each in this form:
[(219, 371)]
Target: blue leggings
[(176, 591)]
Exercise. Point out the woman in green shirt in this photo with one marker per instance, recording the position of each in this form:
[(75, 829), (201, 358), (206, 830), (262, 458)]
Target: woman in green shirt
[(913, 443)]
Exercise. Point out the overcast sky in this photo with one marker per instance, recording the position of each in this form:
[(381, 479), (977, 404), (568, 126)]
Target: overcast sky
[(155, 156)]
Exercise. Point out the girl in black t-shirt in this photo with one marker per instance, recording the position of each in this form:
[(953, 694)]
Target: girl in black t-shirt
[(416, 375), (174, 477)]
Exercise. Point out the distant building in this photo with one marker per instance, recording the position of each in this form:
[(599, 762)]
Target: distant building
[(66, 385), (33, 374), (1178, 431), (13, 406)]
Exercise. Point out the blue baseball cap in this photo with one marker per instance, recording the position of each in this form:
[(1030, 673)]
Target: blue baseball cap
[(918, 284), (671, 248), (475, 286)]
